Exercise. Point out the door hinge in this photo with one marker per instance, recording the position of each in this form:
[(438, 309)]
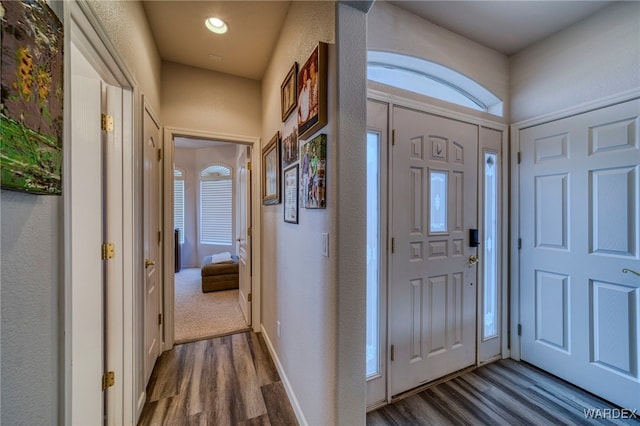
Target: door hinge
[(108, 251), (393, 245), (393, 352), (249, 165), (519, 329), (519, 243), (249, 231), (159, 319), (108, 379), (159, 154), (519, 157), (393, 137), (159, 237), (249, 297), (106, 122)]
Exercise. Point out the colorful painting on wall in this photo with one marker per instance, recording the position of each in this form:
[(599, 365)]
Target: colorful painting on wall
[(32, 97), (313, 171)]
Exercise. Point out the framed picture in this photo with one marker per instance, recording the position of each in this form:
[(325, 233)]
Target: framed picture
[(288, 96), (314, 166), (312, 93), (32, 98), (290, 148), (271, 171), (291, 194)]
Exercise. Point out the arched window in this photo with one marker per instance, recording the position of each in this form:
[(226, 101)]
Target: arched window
[(216, 205), (178, 202), (430, 79)]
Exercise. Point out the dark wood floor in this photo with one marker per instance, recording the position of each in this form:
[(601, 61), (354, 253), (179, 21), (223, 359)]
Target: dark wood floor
[(228, 380), (502, 393)]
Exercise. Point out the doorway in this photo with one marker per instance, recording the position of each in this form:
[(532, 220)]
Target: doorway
[(441, 269)]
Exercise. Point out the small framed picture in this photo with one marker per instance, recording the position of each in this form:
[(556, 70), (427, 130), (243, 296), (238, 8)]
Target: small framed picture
[(271, 171), (312, 93), (313, 163), (288, 95), (291, 194), (290, 148)]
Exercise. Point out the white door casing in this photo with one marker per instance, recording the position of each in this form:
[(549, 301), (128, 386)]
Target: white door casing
[(432, 287), (152, 241), (580, 227), (244, 238)]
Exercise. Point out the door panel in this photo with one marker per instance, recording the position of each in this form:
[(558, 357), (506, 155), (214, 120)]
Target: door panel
[(579, 209), (244, 240), (432, 292), (152, 242)]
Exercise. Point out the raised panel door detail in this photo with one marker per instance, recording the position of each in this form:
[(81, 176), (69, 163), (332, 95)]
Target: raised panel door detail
[(416, 200), (439, 148), (416, 254), (613, 211), (614, 315), (551, 309), (458, 201), (437, 315), (457, 247), (417, 291), (551, 147), (457, 284), (614, 136), (417, 148), (438, 249), (458, 153), (551, 209), (438, 201)]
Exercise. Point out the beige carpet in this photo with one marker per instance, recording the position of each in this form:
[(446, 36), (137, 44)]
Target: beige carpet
[(201, 315)]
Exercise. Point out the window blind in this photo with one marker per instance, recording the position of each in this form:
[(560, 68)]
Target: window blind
[(216, 211), (178, 207)]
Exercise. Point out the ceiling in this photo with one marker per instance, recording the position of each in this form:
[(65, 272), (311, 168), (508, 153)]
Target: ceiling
[(505, 26), (254, 26)]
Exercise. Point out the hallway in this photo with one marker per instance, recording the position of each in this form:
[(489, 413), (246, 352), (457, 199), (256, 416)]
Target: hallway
[(227, 380)]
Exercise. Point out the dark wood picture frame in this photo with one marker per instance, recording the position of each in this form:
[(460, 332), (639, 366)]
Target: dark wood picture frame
[(289, 93), (271, 171), (291, 188), (312, 93)]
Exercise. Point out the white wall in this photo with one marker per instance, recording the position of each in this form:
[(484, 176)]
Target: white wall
[(197, 99), (299, 287), (593, 59), (392, 29), (192, 161)]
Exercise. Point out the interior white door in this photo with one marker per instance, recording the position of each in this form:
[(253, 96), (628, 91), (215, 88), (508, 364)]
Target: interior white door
[(152, 241), (580, 227), (244, 239), (432, 291)]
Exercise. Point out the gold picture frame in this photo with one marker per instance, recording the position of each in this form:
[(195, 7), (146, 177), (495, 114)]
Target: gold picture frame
[(271, 170), (312, 93), (288, 92)]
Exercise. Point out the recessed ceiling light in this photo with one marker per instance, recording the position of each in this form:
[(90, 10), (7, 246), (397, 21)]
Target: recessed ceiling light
[(216, 25)]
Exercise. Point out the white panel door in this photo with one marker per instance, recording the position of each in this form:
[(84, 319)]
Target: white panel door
[(244, 240), (152, 242), (579, 206), (432, 290)]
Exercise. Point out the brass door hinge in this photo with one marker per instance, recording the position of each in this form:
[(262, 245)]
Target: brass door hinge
[(159, 237), (519, 157), (159, 319), (393, 245), (106, 122), (249, 165), (393, 352), (249, 231), (159, 154), (393, 137), (108, 379), (108, 251), (249, 298)]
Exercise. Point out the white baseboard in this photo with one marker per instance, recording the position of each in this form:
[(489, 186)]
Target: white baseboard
[(285, 381)]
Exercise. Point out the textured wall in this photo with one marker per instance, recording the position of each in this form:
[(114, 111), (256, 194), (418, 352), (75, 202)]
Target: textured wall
[(299, 287), (29, 317), (593, 59), (198, 99)]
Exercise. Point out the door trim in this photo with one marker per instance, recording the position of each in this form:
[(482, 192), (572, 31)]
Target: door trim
[(514, 195), (169, 275)]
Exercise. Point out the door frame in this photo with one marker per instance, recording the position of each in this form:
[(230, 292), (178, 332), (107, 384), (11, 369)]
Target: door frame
[(423, 106), (514, 195), (84, 28), (169, 274)]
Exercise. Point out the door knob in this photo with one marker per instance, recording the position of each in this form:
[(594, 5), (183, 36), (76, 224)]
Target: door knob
[(148, 263), (625, 270), (473, 259)]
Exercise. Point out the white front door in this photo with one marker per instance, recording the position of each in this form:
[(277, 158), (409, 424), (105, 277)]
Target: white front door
[(580, 228), (244, 238), (432, 287), (152, 241)]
